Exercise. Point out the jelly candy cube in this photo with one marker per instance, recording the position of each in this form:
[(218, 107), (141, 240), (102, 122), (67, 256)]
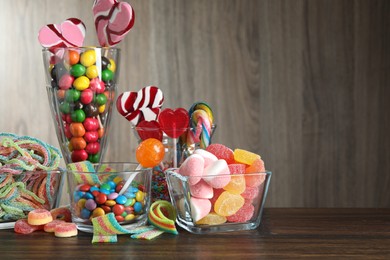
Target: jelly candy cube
[(228, 203), (236, 184), (212, 219), (221, 152), (244, 214), (257, 176), (243, 156)]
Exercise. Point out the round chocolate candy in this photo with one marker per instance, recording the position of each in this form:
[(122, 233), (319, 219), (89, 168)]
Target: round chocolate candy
[(77, 70), (91, 110), (78, 116)]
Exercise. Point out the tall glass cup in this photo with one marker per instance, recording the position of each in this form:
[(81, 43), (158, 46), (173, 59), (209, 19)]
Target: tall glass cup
[(81, 85)]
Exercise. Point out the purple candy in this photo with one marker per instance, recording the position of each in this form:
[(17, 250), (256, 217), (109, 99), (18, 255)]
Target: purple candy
[(90, 204), (112, 196)]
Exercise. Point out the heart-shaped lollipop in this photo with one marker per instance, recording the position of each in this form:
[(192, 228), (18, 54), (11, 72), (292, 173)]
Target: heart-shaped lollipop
[(149, 129), (174, 122), (70, 33), (142, 105), (113, 20)]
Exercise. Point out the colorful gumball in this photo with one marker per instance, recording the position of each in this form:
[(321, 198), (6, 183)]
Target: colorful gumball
[(150, 152)]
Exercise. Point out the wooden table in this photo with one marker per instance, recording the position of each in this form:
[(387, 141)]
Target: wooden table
[(283, 233)]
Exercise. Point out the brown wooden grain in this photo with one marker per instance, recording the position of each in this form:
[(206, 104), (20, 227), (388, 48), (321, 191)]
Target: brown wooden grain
[(284, 233), (304, 83)]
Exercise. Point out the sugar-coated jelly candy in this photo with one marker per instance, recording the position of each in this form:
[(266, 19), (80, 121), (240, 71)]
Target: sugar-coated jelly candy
[(244, 214), (228, 203), (244, 156), (150, 152), (255, 175), (212, 219), (236, 184), (221, 152)]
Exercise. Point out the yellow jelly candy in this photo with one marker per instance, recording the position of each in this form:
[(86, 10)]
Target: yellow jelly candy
[(211, 219), (236, 184), (228, 204), (243, 156)]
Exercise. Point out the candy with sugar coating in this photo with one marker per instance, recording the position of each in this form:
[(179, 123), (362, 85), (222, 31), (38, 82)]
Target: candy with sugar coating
[(202, 190), (199, 208), (244, 156), (23, 227), (255, 175), (193, 168), (244, 214), (207, 156), (228, 203), (236, 184), (212, 219), (39, 217), (221, 152), (65, 230), (50, 227), (217, 174)]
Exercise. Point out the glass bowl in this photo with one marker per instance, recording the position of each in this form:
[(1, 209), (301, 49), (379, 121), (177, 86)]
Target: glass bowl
[(232, 208), (121, 188), (22, 192)]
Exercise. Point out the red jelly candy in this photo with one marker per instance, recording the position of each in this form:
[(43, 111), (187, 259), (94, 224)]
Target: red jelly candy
[(237, 168), (22, 227), (221, 152), (258, 176), (250, 193), (244, 214)]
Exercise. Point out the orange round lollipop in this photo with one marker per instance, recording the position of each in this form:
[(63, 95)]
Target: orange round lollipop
[(150, 152)]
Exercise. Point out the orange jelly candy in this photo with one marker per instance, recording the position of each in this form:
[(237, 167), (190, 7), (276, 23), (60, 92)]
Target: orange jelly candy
[(258, 176), (228, 204), (243, 156), (212, 219), (236, 184)]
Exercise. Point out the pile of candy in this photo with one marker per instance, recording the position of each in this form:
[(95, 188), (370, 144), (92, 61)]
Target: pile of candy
[(56, 221), (85, 95), (97, 200), (84, 79), (29, 176), (225, 185)]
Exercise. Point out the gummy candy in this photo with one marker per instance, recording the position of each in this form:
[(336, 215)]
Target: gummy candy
[(236, 184), (255, 180), (212, 219), (250, 193), (237, 168), (228, 203), (221, 152), (244, 214), (243, 156), (22, 227)]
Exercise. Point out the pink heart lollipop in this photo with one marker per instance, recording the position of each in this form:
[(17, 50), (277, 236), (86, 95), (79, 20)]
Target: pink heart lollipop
[(142, 105), (113, 20), (174, 122), (70, 33)]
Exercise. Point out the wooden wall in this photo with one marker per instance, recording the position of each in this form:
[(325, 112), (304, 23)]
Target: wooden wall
[(304, 83)]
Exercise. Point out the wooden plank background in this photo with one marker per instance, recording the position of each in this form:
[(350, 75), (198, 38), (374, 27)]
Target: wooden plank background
[(304, 83)]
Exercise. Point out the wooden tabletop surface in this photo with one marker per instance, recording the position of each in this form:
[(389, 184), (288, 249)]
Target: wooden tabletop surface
[(283, 233)]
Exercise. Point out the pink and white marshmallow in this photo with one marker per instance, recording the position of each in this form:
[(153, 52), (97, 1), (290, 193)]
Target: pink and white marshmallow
[(193, 167), (202, 190), (217, 174), (207, 156)]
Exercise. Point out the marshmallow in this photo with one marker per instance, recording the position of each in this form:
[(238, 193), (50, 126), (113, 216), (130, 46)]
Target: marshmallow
[(217, 174), (193, 167), (207, 156), (199, 208), (202, 190)]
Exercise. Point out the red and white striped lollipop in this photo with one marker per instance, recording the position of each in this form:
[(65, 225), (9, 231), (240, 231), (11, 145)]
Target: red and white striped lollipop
[(70, 33), (142, 105), (113, 20)]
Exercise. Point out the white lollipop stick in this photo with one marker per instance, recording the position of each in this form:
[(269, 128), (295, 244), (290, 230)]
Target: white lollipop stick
[(129, 180)]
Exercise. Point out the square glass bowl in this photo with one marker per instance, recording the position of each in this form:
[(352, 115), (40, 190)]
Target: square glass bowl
[(22, 192), (231, 208), (121, 188)]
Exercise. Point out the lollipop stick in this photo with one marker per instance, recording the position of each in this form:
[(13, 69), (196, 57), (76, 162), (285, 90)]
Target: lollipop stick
[(129, 180), (175, 152)]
